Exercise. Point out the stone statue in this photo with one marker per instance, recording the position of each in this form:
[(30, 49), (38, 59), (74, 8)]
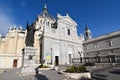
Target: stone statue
[(54, 25), (30, 34)]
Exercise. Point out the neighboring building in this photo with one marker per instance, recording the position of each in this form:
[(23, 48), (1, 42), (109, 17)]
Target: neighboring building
[(56, 42), (103, 49), (11, 48)]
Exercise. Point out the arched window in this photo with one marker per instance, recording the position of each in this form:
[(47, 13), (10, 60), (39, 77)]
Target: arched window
[(48, 23), (68, 31), (109, 43), (41, 21)]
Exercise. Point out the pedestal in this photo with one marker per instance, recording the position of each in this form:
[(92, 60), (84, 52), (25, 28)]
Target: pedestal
[(28, 61)]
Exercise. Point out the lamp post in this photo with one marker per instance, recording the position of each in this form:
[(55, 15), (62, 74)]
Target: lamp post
[(41, 39), (79, 52), (51, 56)]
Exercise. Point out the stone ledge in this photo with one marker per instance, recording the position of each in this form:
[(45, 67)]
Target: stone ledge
[(45, 69), (26, 74), (1, 71), (85, 75)]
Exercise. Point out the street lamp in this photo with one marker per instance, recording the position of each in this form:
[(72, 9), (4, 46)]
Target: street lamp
[(41, 36), (80, 52), (51, 56)]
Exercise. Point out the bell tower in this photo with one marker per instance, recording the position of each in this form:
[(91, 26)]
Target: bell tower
[(87, 33)]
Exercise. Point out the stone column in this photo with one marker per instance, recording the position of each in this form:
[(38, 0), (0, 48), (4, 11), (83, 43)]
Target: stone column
[(101, 59)]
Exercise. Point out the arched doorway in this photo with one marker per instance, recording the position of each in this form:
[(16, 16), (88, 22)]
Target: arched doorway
[(15, 63)]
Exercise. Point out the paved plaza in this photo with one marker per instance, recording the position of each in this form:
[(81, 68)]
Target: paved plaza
[(104, 74), (12, 74), (107, 74)]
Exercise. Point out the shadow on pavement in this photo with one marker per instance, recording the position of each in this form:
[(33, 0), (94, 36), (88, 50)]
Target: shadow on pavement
[(115, 71), (40, 76), (99, 77)]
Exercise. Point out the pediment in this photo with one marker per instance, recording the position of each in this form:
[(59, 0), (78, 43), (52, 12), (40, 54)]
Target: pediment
[(69, 20)]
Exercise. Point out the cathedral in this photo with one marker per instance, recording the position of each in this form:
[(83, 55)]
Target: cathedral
[(56, 41)]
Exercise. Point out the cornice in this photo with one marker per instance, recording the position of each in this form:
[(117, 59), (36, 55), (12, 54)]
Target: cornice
[(103, 49), (103, 37), (63, 39)]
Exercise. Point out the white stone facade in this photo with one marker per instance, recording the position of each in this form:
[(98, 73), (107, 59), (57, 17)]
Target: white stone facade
[(11, 48), (10, 60), (57, 42)]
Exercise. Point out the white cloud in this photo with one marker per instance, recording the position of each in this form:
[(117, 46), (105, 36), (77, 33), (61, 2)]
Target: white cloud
[(5, 23), (6, 19)]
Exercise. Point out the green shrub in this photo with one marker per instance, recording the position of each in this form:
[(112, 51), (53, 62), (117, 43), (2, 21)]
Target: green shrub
[(45, 66), (71, 69), (40, 66), (76, 69)]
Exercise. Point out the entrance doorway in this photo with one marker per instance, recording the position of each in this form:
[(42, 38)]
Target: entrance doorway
[(41, 56), (56, 60), (15, 63)]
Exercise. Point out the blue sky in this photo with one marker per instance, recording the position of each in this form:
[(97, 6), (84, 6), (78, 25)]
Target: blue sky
[(102, 16)]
